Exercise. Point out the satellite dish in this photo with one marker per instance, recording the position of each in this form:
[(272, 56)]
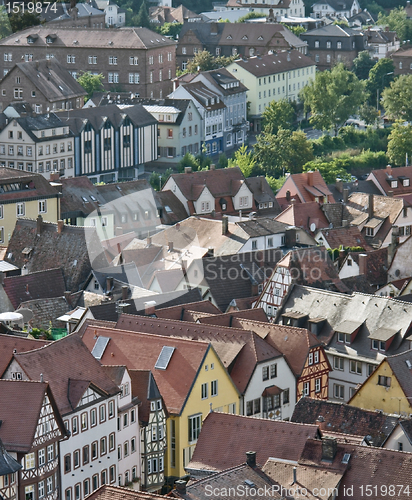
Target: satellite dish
[(26, 313), (313, 227)]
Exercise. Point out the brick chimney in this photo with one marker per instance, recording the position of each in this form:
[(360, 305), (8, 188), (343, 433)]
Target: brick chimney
[(345, 193), (251, 458), (54, 176), (339, 185), (329, 449), (389, 169), (170, 246), (321, 423), (68, 297), (125, 291), (310, 178), (188, 170), (149, 307), (60, 226), (39, 221), (180, 486), (212, 167), (109, 284), (225, 225), (370, 206), (288, 195), (363, 264)]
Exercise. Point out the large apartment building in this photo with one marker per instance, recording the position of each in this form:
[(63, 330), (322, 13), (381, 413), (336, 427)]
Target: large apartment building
[(130, 59)]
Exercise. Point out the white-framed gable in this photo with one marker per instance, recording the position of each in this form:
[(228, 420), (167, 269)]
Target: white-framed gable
[(275, 289), (14, 372), (349, 268), (243, 199), (90, 395), (205, 203), (47, 428), (171, 185)]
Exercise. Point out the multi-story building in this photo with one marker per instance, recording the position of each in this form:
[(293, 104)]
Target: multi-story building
[(277, 8), (180, 128), (130, 59), (86, 398), (24, 194), (115, 16), (402, 60), (228, 39), (276, 76), (333, 44), (46, 85), (40, 144), (335, 9), (34, 444), (233, 95), (381, 43)]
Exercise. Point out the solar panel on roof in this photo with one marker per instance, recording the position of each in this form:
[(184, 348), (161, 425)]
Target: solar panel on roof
[(100, 347), (164, 357)]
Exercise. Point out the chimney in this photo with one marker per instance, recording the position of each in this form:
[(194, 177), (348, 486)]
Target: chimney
[(390, 193), (240, 215), (345, 195), (288, 195), (149, 241), (60, 226), (329, 449), (170, 246), (389, 169), (363, 261), (210, 252), (321, 423), (149, 307), (109, 284), (37, 64), (290, 237), (188, 170), (68, 297), (125, 291), (394, 243), (225, 225), (39, 224), (54, 176), (293, 201), (180, 486), (370, 206), (212, 166), (254, 289), (342, 255), (310, 178), (339, 185), (251, 458), (345, 223), (294, 475)]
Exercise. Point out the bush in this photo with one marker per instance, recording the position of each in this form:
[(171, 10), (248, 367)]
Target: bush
[(373, 139)]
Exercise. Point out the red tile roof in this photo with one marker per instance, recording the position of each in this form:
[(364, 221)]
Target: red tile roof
[(219, 445), (141, 351), (37, 285), (384, 176), (11, 343), (348, 236), (304, 215), (69, 368), (177, 312), (107, 492), (37, 186), (306, 186)]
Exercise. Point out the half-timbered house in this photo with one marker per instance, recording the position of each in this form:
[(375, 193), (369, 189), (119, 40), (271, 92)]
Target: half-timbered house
[(152, 419), (33, 442)]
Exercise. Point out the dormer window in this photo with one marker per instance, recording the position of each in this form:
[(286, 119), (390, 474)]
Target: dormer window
[(394, 183), (32, 38), (344, 337), (370, 231)]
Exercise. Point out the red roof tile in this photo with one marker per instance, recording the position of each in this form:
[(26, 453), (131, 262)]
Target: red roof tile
[(306, 186), (348, 236), (304, 215), (107, 492), (11, 343), (383, 177)]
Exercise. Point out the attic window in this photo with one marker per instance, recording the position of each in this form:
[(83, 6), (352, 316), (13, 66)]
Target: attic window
[(27, 251), (346, 458), (85, 199), (244, 37), (229, 37), (92, 198), (260, 37), (394, 184), (164, 358)]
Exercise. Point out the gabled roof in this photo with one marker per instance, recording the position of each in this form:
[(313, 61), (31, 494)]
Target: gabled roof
[(340, 417), (278, 62), (11, 343), (172, 208), (72, 250), (8, 465), (177, 312), (224, 81), (401, 365), (51, 79), (307, 185), (204, 95), (21, 398), (106, 492), (376, 265), (304, 215), (262, 226), (46, 311), (270, 438), (141, 351), (383, 177), (234, 318), (145, 388), (239, 350), (262, 193), (74, 191), (37, 285), (26, 186), (69, 368), (346, 236)]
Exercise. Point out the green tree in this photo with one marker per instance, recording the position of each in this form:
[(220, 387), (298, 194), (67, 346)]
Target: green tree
[(244, 160), (203, 61), (400, 144), (362, 65), (169, 29), (5, 28), (143, 19), (341, 22), (397, 21), (188, 161), (368, 114), (296, 30), (223, 161), (21, 20), (397, 99), (275, 184), (332, 97), (300, 152), (91, 83), (279, 114), (379, 77), (250, 15), (330, 171)]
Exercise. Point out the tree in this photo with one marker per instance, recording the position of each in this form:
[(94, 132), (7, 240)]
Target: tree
[(157, 181), (188, 161), (23, 19), (275, 184), (5, 28), (397, 21), (400, 144), (332, 97), (362, 65), (379, 77), (279, 114), (296, 30), (169, 29), (143, 19), (244, 160), (330, 171), (397, 99), (91, 83), (250, 15), (368, 114), (204, 61)]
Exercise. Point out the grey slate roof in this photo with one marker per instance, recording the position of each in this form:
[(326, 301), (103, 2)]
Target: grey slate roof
[(7, 463), (262, 226), (401, 370)]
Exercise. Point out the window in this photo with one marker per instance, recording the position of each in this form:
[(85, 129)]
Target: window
[(112, 60), (41, 489), (77, 491), (316, 358), (204, 392), (68, 494), (170, 133), (385, 381), (86, 487), (133, 61), (92, 59), (85, 454), (213, 388), (76, 459), (316, 58), (71, 59), (126, 449), (83, 422), (338, 45), (195, 423), (316, 44), (133, 445), (29, 461), (265, 373), (132, 416), (94, 450), (20, 207), (111, 409), (67, 463), (112, 473), (112, 442), (102, 409), (253, 407), (355, 367), (18, 93), (344, 337), (172, 443), (370, 231), (306, 389), (254, 244), (103, 477), (370, 369), (338, 391), (95, 482), (93, 417), (310, 358), (337, 363), (243, 201), (318, 384)]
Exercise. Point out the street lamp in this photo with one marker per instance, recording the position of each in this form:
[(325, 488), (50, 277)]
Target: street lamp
[(377, 90)]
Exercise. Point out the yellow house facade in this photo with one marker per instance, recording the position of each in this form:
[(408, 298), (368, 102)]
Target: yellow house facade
[(212, 389), (24, 194), (387, 388), (272, 77)]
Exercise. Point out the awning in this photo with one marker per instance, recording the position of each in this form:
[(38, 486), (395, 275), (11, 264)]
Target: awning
[(348, 326), (273, 390)]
